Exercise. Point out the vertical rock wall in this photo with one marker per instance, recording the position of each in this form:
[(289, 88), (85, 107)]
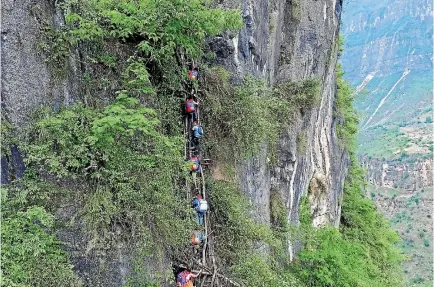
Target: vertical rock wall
[(399, 174), (292, 41), (27, 82)]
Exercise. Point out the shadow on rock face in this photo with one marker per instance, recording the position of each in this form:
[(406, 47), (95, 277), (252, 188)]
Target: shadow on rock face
[(12, 166)]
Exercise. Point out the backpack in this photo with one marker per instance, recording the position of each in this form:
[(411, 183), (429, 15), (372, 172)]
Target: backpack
[(197, 131), (195, 203), (189, 106), (203, 205), (182, 278), (195, 240), (194, 166), (195, 73)]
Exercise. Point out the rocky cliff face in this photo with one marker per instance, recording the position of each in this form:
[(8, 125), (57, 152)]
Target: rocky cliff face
[(399, 174), (292, 41), (27, 82), (281, 41)]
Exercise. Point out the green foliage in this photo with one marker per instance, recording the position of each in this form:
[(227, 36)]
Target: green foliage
[(305, 217), (259, 270), (239, 238), (330, 260), (301, 142), (296, 10), (241, 118), (417, 280), (362, 224), (56, 47), (428, 120), (256, 271), (278, 212), (341, 42), (426, 243), (237, 232), (30, 254), (348, 127), (7, 136), (157, 27), (361, 253), (127, 167), (245, 117), (382, 141), (414, 199), (303, 95)]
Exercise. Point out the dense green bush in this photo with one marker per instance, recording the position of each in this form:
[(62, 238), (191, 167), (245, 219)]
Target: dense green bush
[(242, 118), (30, 254), (128, 168), (363, 224), (349, 125), (236, 230), (239, 237), (360, 253)]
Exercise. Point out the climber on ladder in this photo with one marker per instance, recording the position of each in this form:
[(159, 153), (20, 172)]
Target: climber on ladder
[(194, 166), (197, 238), (191, 109), (197, 134), (201, 207), (184, 277), (193, 75), (193, 72)]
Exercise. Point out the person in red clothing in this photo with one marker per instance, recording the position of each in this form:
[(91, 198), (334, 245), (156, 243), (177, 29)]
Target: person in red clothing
[(190, 108), (184, 277), (193, 72)]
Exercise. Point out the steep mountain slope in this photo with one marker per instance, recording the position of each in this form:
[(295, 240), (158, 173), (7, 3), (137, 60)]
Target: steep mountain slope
[(410, 213), (388, 56)]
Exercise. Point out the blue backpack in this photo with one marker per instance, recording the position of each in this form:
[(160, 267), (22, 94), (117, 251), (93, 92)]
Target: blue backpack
[(200, 131)]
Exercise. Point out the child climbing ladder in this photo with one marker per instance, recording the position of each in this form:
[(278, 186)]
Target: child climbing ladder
[(193, 133)]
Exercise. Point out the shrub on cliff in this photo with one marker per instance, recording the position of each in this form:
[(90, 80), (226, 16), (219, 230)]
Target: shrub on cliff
[(30, 254)]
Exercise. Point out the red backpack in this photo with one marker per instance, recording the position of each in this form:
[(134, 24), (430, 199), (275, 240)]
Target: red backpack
[(182, 278), (189, 106), (194, 163)]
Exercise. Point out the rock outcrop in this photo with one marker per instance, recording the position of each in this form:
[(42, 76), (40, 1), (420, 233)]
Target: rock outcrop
[(399, 174), (292, 41)]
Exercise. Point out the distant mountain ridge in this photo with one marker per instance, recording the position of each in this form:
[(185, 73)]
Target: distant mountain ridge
[(388, 58)]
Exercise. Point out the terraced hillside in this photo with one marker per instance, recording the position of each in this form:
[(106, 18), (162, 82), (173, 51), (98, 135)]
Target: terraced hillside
[(411, 215)]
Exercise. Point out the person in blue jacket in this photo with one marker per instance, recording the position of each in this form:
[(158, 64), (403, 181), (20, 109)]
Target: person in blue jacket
[(201, 207), (197, 134)]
